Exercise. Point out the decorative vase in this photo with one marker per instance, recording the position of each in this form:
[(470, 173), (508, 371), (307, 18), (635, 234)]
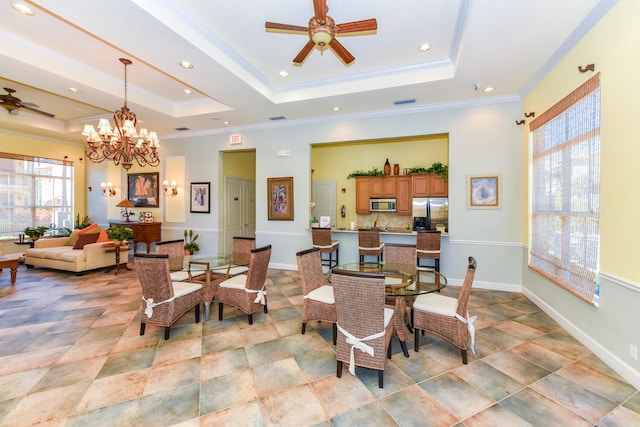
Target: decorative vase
[(396, 169), (387, 168)]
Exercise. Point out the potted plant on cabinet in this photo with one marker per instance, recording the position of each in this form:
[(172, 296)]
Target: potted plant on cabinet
[(119, 234), (190, 244)]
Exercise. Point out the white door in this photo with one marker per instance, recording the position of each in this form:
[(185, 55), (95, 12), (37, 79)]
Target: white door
[(240, 215), (324, 196)]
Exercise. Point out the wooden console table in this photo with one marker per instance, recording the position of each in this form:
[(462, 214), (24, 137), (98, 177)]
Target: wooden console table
[(146, 232)]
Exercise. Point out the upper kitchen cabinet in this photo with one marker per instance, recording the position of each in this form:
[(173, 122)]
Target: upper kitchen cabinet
[(404, 203), (429, 185), (382, 187), (363, 189)]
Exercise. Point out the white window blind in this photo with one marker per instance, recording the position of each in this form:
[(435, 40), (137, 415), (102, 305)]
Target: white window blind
[(34, 191), (565, 231)]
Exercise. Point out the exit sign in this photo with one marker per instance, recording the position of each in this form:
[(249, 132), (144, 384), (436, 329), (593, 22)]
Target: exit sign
[(235, 138)]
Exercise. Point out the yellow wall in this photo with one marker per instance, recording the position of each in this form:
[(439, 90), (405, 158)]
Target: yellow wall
[(611, 46), (16, 144), (337, 161), (240, 164)]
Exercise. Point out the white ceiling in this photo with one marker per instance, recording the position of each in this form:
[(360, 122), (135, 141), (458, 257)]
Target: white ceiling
[(507, 44)]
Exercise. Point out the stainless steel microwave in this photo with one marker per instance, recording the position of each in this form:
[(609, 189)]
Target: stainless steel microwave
[(382, 205)]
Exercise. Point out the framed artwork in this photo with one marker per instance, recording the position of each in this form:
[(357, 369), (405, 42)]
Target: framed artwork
[(280, 196), (200, 197), (484, 191), (143, 190)]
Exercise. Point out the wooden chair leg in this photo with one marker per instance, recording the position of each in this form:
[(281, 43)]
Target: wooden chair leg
[(197, 310), (167, 331), (416, 339), (335, 333), (265, 308), (251, 319), (380, 379), (142, 326), (464, 356), (220, 311), (304, 327), (339, 369)]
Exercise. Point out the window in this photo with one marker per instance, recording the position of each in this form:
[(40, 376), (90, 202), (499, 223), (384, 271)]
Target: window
[(34, 191), (565, 231)]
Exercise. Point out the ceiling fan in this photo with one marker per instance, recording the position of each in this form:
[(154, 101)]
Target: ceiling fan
[(13, 103), (322, 32)]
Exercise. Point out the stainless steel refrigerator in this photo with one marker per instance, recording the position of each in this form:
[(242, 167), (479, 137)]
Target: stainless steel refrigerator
[(429, 212)]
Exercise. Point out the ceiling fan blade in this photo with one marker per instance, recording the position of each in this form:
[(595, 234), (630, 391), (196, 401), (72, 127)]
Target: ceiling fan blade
[(275, 27), (44, 113), (320, 9), (341, 52), (348, 28), (304, 53)]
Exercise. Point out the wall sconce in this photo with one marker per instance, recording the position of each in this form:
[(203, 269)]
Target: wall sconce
[(107, 189), (170, 189)]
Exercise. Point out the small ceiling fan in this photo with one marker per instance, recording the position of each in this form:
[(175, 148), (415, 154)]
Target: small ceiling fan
[(322, 32), (13, 103)]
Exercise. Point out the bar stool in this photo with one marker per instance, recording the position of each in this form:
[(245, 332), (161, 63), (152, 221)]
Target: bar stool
[(369, 244), (428, 247), (321, 239)]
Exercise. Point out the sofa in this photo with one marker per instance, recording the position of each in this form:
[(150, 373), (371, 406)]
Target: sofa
[(56, 253)]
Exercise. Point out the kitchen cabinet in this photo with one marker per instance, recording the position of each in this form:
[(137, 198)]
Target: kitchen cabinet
[(363, 184), (429, 185), (382, 186), (404, 202)]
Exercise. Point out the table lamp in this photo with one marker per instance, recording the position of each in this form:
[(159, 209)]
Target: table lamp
[(125, 205)]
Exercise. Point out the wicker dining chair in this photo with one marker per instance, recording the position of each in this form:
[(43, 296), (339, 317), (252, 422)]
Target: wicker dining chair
[(364, 323), (397, 253), (247, 291), (318, 300), (447, 317), (164, 300), (369, 244), (175, 250), (428, 247), (240, 254), (321, 238)]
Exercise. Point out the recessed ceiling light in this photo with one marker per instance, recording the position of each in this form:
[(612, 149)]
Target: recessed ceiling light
[(336, 109), (188, 91), (488, 89), (283, 73), (226, 122), (424, 47), (22, 8), (185, 64), (73, 90)]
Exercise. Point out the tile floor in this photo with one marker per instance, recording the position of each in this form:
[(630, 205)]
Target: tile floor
[(71, 355)]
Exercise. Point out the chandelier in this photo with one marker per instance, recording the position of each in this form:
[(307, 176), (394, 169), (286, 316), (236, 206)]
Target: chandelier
[(122, 143)]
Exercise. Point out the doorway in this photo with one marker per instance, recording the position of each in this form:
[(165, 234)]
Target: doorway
[(324, 196)]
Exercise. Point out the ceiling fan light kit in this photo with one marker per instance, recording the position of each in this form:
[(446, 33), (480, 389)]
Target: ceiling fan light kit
[(122, 143), (12, 103), (322, 32)]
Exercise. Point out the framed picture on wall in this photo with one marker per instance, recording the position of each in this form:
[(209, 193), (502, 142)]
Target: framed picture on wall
[(484, 191), (280, 196), (143, 190), (200, 197)]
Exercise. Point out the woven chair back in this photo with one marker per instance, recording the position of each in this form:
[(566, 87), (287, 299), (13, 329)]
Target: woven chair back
[(155, 277), (399, 254), (241, 249), (321, 236), (258, 265), (368, 238), (175, 250), (428, 241), (465, 290), (310, 270)]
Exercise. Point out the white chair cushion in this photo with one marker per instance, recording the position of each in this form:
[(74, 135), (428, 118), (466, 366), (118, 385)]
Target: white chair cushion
[(438, 304), (390, 281), (234, 271), (178, 276), (184, 288), (235, 282), (333, 244), (388, 315), (322, 294)]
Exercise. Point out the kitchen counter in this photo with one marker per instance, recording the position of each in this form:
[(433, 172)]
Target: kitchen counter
[(383, 230)]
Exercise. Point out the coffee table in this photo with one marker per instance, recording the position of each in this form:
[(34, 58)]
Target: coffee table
[(11, 263), (401, 281)]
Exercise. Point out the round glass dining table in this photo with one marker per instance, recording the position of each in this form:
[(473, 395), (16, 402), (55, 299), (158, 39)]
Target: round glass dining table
[(401, 281)]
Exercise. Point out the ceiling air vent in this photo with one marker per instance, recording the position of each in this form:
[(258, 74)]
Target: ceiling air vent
[(277, 118), (182, 128), (404, 101)]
